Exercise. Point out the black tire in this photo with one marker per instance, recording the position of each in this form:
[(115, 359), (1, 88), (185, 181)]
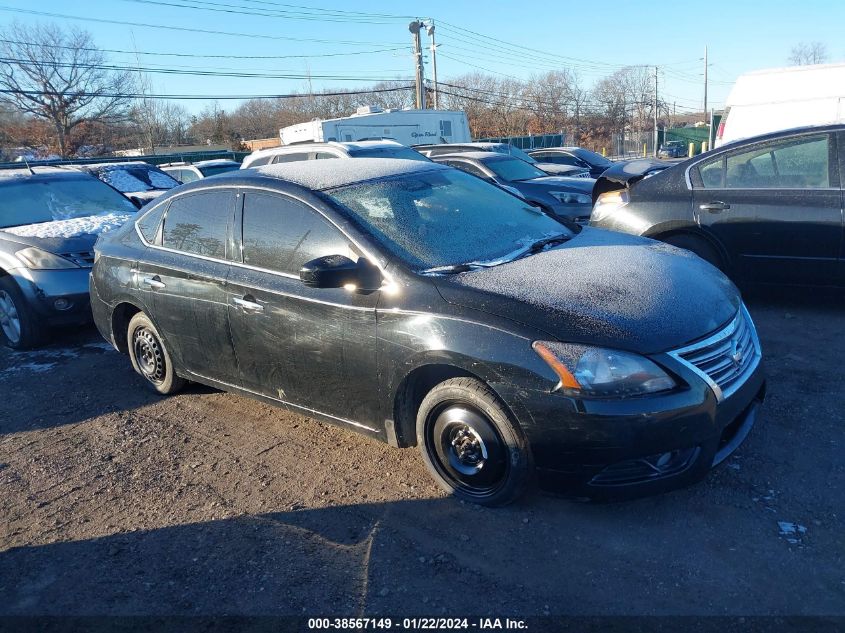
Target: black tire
[(699, 246), (20, 327), (471, 445), (150, 357)]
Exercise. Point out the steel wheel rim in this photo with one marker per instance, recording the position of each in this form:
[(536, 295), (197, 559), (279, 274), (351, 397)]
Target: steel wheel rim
[(10, 320), (466, 449), (149, 355)]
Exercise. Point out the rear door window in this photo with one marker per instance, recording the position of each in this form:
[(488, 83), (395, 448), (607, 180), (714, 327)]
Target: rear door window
[(199, 223), (281, 234), (794, 164)]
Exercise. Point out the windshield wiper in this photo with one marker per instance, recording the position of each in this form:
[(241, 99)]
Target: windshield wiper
[(452, 269), (539, 245)]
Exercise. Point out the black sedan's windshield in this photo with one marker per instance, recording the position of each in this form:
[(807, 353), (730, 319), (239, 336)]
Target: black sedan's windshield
[(442, 218), (34, 200), (513, 169)]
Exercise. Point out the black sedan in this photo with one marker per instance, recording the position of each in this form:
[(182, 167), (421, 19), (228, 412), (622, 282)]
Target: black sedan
[(562, 198), (423, 307), (573, 156), (765, 210)]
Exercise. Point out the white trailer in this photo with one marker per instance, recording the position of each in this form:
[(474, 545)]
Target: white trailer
[(783, 98), (409, 127)]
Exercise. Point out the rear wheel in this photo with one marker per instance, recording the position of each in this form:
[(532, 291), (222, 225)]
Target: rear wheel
[(699, 246), (471, 445), (150, 357), (19, 326)]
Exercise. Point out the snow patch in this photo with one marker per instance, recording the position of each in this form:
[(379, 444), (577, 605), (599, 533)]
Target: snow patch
[(38, 368), (327, 174), (91, 225), (791, 531)]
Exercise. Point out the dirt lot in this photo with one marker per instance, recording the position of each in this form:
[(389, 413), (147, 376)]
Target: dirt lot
[(114, 501)]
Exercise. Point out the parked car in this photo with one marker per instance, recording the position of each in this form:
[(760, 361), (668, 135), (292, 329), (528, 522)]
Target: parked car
[(560, 197), (49, 220), (764, 210), (420, 306), (672, 149), (138, 181), (332, 149), (189, 172), (573, 156), (551, 168)]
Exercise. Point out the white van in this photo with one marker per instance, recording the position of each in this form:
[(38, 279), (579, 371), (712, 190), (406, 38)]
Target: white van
[(783, 98), (408, 127)]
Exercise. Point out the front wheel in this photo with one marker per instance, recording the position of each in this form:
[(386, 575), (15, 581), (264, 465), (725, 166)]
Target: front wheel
[(471, 445), (19, 326), (150, 357)]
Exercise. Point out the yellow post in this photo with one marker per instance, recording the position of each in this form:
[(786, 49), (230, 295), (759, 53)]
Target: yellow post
[(644, 151), (604, 151), (691, 152), (703, 146)]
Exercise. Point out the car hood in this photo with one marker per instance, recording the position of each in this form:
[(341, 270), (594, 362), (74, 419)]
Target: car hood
[(604, 288), (550, 183), (65, 236)]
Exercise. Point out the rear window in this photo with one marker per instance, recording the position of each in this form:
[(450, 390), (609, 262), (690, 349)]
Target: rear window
[(199, 223), (213, 170), (388, 152)]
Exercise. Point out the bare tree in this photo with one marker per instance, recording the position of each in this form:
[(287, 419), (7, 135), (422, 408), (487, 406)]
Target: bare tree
[(59, 76), (804, 54)]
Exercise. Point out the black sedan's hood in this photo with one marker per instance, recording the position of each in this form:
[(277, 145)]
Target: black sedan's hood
[(604, 288)]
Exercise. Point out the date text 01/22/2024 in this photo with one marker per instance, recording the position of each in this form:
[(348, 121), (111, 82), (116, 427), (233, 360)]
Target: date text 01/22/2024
[(410, 624)]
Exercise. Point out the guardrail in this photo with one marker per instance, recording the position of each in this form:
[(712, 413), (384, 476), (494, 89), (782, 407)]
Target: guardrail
[(155, 159)]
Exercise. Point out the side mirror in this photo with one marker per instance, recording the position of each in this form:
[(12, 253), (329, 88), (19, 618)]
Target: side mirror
[(337, 271)]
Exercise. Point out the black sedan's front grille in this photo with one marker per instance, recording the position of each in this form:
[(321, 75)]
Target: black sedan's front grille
[(85, 259), (725, 359)]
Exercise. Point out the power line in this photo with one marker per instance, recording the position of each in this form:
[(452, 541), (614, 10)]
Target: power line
[(288, 15), (194, 30), (132, 95), (209, 56), (195, 73)]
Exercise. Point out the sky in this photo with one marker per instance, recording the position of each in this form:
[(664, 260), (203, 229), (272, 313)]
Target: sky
[(351, 45)]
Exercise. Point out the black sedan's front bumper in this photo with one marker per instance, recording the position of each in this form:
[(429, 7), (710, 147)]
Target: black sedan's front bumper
[(626, 448)]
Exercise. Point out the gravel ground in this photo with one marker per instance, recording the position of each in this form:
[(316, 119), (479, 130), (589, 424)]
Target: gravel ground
[(115, 501)]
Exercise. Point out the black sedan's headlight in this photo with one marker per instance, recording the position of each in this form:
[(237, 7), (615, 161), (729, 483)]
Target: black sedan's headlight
[(599, 372)]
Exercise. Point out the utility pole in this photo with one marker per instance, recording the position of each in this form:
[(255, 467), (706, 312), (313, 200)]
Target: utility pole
[(705, 82), (415, 27), (655, 112), (433, 49)]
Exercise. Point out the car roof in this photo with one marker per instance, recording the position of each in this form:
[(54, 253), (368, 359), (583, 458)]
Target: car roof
[(343, 145), (41, 173), (115, 165), (319, 175), (213, 162), (806, 129)]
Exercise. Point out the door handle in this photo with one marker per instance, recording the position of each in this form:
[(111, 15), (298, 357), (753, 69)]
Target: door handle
[(247, 305), (715, 207), (154, 282)]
